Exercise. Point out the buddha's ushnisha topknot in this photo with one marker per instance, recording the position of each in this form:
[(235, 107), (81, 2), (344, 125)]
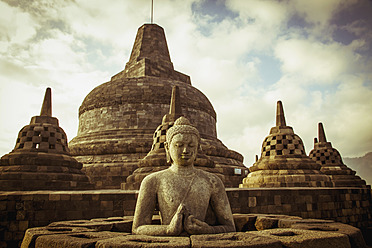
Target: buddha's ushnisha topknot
[(181, 125)]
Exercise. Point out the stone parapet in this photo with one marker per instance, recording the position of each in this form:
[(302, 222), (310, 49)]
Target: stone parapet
[(23, 210), (347, 205)]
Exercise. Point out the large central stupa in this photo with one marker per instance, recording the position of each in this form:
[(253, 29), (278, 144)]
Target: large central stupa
[(117, 119)]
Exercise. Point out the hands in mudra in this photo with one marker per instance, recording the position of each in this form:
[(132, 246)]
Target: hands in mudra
[(184, 221)]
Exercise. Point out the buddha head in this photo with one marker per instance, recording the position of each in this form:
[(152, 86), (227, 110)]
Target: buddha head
[(182, 142)]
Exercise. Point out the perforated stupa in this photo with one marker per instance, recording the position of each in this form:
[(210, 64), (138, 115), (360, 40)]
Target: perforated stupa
[(283, 162), (332, 165), (41, 159), (156, 159)]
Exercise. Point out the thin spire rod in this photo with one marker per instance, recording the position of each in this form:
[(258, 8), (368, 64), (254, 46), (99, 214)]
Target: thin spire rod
[(46, 108), (321, 133), (152, 11), (280, 119)]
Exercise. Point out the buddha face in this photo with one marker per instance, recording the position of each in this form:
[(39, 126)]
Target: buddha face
[(183, 148)]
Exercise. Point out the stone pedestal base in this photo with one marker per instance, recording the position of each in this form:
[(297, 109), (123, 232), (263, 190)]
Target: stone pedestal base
[(253, 230)]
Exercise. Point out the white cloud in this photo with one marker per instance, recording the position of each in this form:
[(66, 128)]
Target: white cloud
[(349, 113), (268, 14), (317, 11), (75, 46), (314, 61), (15, 26)]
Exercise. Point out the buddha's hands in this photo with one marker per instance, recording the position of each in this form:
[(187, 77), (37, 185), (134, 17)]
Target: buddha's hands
[(175, 227), (193, 225)]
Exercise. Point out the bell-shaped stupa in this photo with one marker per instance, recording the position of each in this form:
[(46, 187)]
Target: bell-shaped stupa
[(330, 160), (156, 159), (283, 162), (41, 158), (117, 119)]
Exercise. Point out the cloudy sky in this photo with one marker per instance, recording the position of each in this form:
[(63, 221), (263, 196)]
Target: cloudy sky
[(244, 55)]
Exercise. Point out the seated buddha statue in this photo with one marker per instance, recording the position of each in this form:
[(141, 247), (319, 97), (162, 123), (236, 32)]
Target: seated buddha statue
[(182, 193)]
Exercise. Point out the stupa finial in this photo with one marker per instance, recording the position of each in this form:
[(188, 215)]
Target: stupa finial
[(321, 133), (280, 119), (175, 104), (46, 109), (175, 110), (152, 11)]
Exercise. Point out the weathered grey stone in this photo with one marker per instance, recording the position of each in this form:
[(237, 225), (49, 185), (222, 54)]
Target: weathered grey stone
[(234, 240), (183, 193), (76, 240), (287, 222), (265, 222), (33, 233), (283, 161), (143, 241), (269, 221), (354, 234), (102, 224), (96, 225), (332, 165), (41, 158), (296, 238), (244, 222)]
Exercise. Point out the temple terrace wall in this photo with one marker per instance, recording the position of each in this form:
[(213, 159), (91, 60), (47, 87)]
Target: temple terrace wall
[(23, 210)]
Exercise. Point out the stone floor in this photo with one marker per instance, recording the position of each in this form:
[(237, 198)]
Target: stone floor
[(253, 230)]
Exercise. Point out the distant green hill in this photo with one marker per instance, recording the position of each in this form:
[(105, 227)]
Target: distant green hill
[(362, 166)]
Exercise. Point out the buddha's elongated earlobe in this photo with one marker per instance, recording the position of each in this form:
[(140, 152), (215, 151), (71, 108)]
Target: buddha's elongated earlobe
[(200, 148), (169, 159)]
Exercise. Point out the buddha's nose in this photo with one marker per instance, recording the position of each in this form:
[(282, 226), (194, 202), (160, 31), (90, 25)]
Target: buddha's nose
[(186, 149)]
